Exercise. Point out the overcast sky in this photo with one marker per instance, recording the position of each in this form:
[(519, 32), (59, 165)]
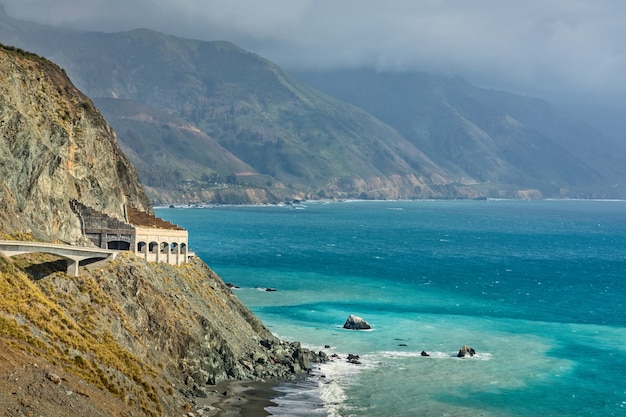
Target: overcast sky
[(532, 47)]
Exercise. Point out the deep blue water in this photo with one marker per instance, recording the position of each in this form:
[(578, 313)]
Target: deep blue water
[(537, 288)]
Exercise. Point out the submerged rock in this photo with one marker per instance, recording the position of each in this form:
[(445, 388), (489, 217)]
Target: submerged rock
[(356, 323), (465, 351)]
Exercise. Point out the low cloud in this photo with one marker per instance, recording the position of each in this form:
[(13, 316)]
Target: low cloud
[(530, 46)]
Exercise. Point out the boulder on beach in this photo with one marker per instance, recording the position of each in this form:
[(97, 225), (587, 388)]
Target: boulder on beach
[(465, 351), (356, 323)]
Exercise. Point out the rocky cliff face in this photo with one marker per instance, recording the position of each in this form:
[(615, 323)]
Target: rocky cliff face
[(55, 146), (126, 337)]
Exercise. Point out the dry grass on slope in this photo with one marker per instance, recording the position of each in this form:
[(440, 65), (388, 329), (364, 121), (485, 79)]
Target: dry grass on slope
[(152, 335), (68, 333)]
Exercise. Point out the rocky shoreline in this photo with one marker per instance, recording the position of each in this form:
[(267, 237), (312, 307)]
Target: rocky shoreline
[(279, 361)]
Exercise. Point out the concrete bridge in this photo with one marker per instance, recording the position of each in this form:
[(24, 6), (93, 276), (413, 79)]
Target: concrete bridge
[(72, 254)]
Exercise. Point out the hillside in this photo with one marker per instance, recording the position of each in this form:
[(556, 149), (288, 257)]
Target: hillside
[(124, 337), (289, 134), (400, 136), (501, 140), (311, 143), (177, 162)]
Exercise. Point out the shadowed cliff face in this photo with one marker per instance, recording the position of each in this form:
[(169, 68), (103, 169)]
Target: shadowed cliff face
[(56, 146)]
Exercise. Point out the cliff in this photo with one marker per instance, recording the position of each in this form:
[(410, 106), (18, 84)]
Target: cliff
[(56, 146), (125, 337)]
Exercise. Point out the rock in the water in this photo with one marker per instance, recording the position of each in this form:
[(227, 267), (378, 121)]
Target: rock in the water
[(354, 359), (465, 351), (356, 323)]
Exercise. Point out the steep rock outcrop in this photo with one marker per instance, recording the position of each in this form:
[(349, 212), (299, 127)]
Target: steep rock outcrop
[(56, 146)]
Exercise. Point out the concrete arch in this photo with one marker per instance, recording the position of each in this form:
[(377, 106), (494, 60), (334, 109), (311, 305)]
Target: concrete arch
[(163, 246), (163, 254), (146, 235), (153, 247), (174, 247), (141, 247)]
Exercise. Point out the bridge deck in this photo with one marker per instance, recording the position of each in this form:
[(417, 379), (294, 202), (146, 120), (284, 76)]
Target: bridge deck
[(73, 254)]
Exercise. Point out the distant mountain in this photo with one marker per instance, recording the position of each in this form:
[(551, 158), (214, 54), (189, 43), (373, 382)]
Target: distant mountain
[(232, 118), (308, 144), (178, 162), (500, 139), (281, 129)]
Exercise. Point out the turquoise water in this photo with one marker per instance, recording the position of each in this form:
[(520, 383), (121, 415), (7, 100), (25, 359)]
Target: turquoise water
[(536, 288)]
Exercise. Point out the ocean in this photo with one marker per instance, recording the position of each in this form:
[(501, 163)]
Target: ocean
[(537, 288)]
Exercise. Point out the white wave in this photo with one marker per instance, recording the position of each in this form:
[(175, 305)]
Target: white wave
[(340, 327), (435, 355), (336, 376), (324, 391), (265, 289), (299, 399)]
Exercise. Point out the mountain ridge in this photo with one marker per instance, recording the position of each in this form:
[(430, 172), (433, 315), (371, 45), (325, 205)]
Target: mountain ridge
[(504, 126), (454, 142)]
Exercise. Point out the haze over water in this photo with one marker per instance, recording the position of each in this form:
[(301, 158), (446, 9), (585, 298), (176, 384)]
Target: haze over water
[(536, 288)]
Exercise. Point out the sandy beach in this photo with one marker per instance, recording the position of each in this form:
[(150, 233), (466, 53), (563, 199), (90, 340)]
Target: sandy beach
[(236, 399)]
